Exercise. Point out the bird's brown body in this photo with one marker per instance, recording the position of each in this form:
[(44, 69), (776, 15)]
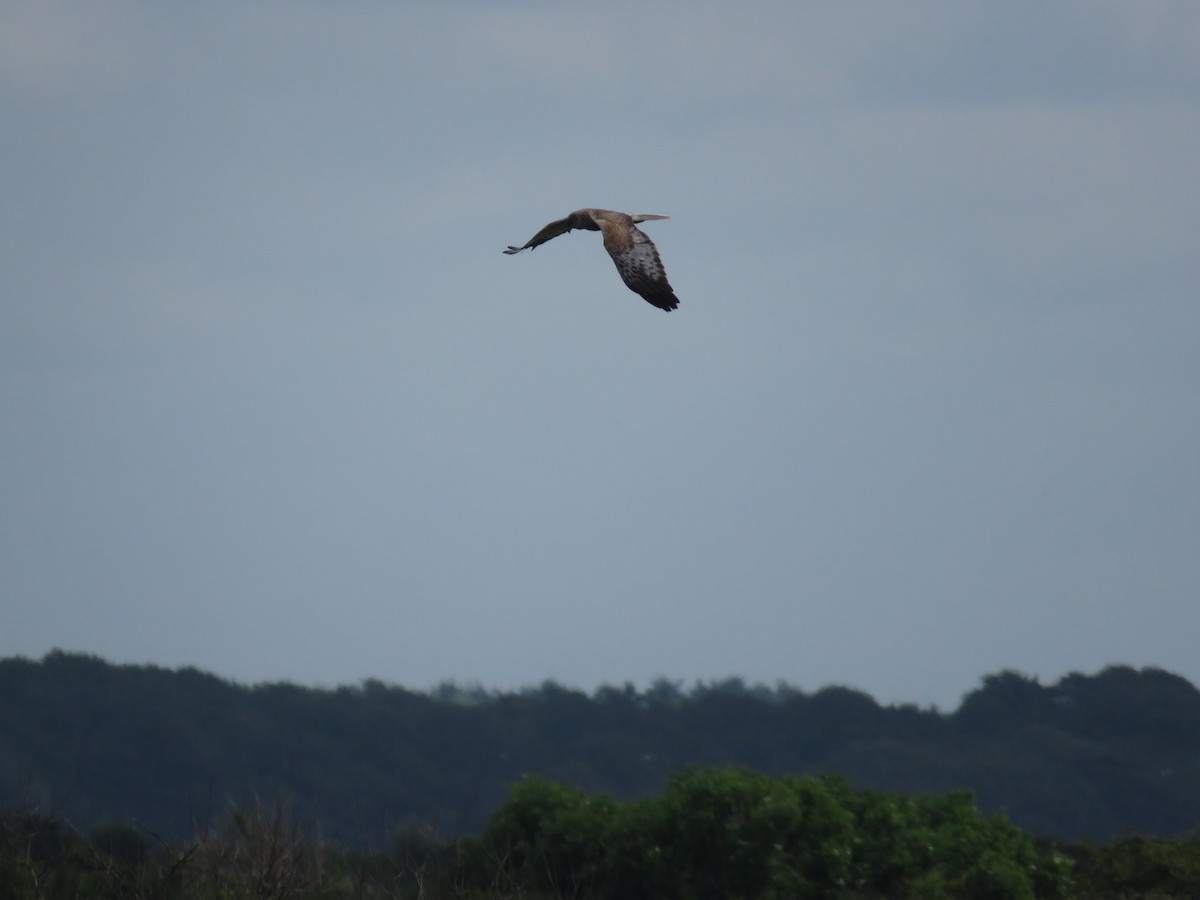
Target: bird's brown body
[(631, 250)]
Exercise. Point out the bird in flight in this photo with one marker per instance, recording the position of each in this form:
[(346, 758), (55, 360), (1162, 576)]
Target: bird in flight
[(634, 253)]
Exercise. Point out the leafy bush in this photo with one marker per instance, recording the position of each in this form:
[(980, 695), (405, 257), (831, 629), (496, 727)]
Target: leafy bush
[(728, 833)]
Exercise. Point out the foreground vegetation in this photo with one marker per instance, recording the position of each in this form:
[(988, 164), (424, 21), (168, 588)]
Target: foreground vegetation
[(714, 834), (1089, 757)]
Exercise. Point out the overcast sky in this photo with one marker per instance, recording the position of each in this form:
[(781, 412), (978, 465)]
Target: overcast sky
[(273, 403)]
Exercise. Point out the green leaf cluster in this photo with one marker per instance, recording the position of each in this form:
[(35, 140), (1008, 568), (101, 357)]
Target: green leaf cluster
[(721, 833)]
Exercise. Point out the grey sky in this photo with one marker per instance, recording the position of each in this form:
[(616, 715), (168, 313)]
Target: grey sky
[(274, 404)]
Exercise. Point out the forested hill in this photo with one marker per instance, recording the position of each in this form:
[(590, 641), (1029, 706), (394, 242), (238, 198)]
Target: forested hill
[(1089, 756)]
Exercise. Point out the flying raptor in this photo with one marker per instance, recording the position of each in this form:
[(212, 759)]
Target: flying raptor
[(634, 253)]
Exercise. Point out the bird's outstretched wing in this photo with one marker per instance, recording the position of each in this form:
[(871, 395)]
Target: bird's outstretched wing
[(553, 230), (643, 271)]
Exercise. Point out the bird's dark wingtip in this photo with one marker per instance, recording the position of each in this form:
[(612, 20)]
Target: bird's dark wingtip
[(665, 302), (664, 305)]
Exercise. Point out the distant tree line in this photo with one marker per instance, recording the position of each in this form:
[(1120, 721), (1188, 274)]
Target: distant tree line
[(1089, 757)]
